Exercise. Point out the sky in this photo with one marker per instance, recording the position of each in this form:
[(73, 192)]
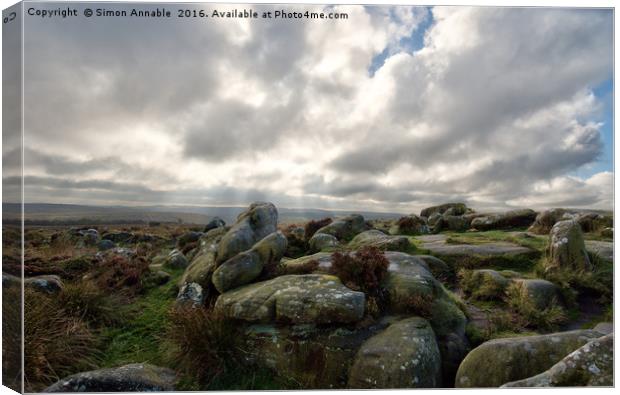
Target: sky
[(393, 109)]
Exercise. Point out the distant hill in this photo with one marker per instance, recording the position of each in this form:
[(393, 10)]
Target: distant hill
[(71, 214)]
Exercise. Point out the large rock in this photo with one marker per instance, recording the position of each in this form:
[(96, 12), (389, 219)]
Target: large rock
[(192, 294), (317, 357), (405, 355), (409, 225), (506, 220), (246, 266), (138, 377), (413, 290), (455, 209), (604, 249), (500, 361), (203, 265), (455, 222), (566, 248), (310, 298), (187, 238), (540, 293), (118, 237), (546, 219), (593, 222), (176, 260), (345, 228), (378, 239), (588, 366), (321, 262), (252, 225), (215, 223), (322, 241)]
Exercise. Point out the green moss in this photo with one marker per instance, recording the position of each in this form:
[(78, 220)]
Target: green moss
[(139, 338)]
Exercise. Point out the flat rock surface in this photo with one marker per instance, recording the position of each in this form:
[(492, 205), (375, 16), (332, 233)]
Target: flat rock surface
[(437, 245), (604, 249)]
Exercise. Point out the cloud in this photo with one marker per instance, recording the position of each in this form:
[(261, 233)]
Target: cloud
[(496, 106)]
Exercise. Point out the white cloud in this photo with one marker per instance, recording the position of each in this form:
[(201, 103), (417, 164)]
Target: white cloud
[(496, 109)]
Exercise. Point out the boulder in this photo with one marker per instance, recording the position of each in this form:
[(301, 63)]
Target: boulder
[(378, 239), (604, 328), (105, 245), (607, 232), (435, 222), (310, 298), (566, 249), (203, 265), (345, 228), (118, 237), (546, 219), (322, 241), (484, 284), (603, 249), (50, 284), (321, 262), (440, 269), (239, 270), (176, 260), (187, 238), (593, 222), (252, 225), (589, 366), (246, 266), (506, 220), (455, 222), (541, 293), (317, 357), (90, 237), (455, 209), (138, 377), (500, 361), (158, 277), (409, 225), (191, 293), (405, 355), (215, 223)]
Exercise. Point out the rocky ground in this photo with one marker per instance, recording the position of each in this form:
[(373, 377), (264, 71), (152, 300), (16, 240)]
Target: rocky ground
[(447, 298)]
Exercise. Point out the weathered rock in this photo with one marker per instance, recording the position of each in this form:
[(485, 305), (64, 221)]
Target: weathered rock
[(455, 209), (158, 277), (321, 262), (593, 222), (604, 249), (252, 225), (405, 355), (455, 222), (314, 356), (49, 283), (566, 248), (440, 269), (412, 289), (310, 298), (203, 265), (541, 293), (608, 232), (546, 219), (378, 239), (484, 284), (176, 260), (191, 293), (238, 270), (506, 220), (589, 366), (345, 228), (435, 222), (90, 236), (215, 223), (104, 245), (137, 377), (118, 237), (409, 225), (246, 266), (604, 328), (500, 361), (496, 254), (322, 241), (187, 238)]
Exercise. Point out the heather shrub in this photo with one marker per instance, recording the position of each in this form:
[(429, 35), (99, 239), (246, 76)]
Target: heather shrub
[(201, 343), (117, 272), (86, 301), (312, 226), (530, 315)]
